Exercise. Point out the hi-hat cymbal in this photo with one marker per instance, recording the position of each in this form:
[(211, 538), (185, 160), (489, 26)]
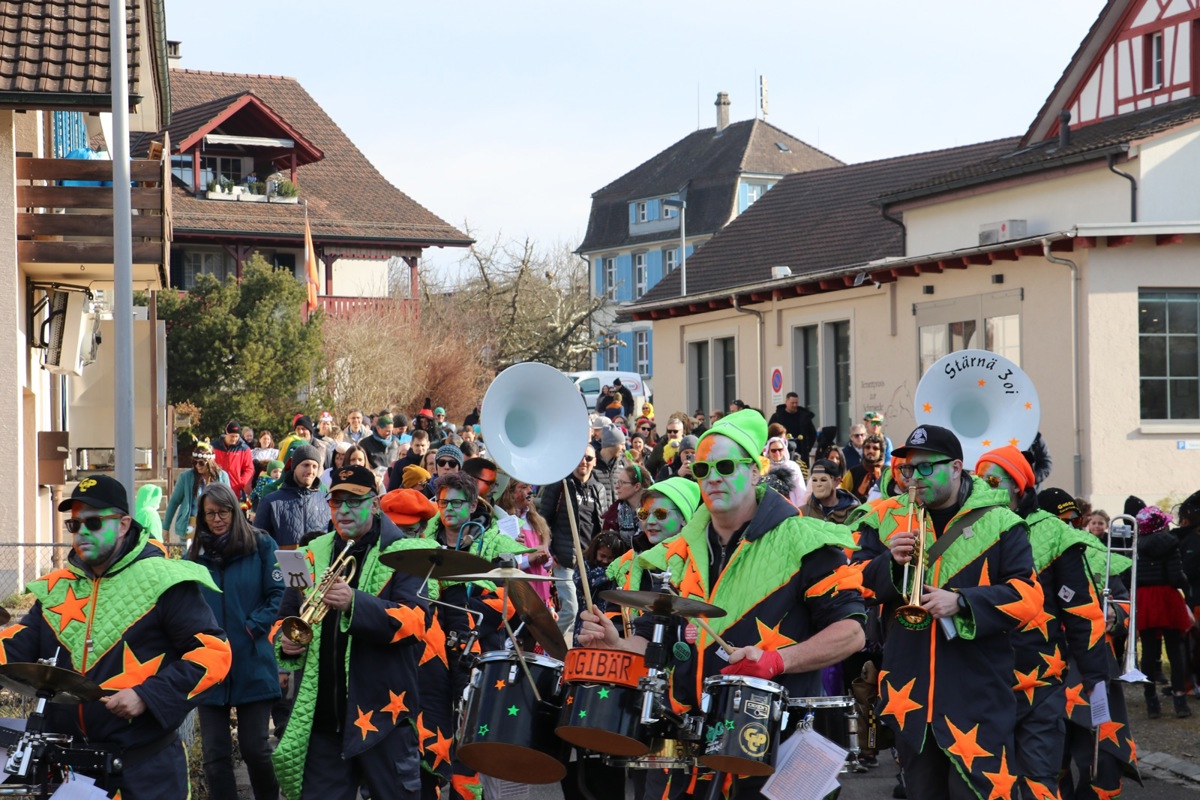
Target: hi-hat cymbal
[(58, 685), (537, 618), (659, 603), (444, 562), (501, 574)]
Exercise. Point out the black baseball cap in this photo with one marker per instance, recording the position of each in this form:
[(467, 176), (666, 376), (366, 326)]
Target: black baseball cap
[(99, 491), (931, 439), (356, 480), (1057, 502)]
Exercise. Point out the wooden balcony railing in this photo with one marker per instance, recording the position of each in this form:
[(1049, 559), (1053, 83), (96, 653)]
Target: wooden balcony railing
[(338, 306), (65, 232)]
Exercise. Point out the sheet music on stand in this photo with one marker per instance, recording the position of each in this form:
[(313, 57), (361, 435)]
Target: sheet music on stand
[(503, 790), (806, 768)]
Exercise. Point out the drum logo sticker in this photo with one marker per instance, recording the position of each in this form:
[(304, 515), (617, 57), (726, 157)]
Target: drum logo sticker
[(758, 706), (754, 739)]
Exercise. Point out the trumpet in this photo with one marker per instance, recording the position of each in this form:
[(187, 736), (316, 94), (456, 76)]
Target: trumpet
[(911, 615), (300, 628)]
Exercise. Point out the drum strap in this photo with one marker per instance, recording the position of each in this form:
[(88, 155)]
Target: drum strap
[(954, 531)]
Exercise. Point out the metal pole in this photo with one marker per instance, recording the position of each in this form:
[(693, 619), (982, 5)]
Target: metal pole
[(122, 249), (683, 249)]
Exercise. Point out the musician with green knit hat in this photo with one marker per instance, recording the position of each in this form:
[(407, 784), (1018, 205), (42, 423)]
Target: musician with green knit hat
[(791, 599)]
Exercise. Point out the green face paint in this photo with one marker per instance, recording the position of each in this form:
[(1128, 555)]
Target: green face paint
[(723, 493), (96, 547), (352, 516), (453, 509), (656, 529)]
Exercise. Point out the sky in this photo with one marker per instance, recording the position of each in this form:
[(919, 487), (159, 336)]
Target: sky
[(506, 117)]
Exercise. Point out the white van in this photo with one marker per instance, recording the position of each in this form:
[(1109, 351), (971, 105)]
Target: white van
[(589, 382)]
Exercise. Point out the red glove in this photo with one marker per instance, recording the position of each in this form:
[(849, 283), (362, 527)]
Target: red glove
[(767, 667)]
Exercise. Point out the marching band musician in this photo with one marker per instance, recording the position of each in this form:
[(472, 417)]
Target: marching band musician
[(1069, 628), (743, 539), (948, 696), (353, 718), (150, 642)]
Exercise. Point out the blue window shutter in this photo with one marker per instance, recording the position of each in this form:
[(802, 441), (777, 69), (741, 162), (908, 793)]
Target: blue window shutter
[(625, 278), (650, 351), (598, 278), (654, 268), (652, 209), (632, 213), (626, 357), (743, 197)]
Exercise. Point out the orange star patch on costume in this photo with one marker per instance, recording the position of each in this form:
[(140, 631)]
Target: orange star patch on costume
[(363, 723), (410, 622), (1090, 611), (1055, 664), (771, 638), (691, 585), (1027, 682), (1108, 730), (1029, 603), (899, 703), (844, 578), (396, 706), (677, 548), (965, 746), (440, 749), (215, 656), (1106, 794), (1075, 698), (70, 609), (1041, 791), (1002, 781), (133, 672), (435, 642), (423, 733), (61, 574), (8, 633)]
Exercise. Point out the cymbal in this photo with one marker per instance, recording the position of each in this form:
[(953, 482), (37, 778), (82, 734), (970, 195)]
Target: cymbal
[(659, 603), (443, 560), (538, 620), (61, 685), (501, 574)]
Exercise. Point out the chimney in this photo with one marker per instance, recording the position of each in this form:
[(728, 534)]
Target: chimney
[(1064, 128), (722, 105), (173, 56)]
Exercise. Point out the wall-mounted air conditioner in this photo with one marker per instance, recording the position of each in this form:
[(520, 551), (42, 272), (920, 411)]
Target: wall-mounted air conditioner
[(1003, 231), (65, 331)]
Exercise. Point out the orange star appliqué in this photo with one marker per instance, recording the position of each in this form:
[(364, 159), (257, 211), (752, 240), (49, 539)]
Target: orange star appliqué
[(1041, 791), (71, 608), (133, 672), (1106, 794), (1108, 730), (1132, 749), (215, 656), (440, 749), (1075, 698), (676, 547), (985, 578), (410, 622), (8, 633), (771, 638), (363, 723), (423, 733), (899, 703), (1002, 781), (52, 578), (1027, 682), (435, 642), (691, 585), (1029, 603), (1040, 622), (1055, 663), (396, 706), (965, 746), (1090, 610), (501, 605)]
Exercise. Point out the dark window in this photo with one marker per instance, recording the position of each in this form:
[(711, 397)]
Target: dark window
[(1169, 354)]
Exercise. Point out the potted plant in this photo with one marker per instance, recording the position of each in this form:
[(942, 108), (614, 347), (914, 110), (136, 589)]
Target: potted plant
[(284, 192), (254, 192)]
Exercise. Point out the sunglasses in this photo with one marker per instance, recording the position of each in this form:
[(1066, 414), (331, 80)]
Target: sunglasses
[(644, 428), (925, 469), (724, 467), (659, 514), (447, 462), (776, 450), (589, 459), (93, 524)]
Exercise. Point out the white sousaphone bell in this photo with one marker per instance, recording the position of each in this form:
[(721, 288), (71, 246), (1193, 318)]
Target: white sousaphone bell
[(984, 398), (535, 423)]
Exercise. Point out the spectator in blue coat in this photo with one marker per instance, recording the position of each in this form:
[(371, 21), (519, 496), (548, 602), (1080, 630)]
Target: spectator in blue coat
[(299, 506), (241, 561)]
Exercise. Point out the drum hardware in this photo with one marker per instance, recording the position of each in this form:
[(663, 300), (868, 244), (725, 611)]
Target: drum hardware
[(664, 754), (835, 718), (703, 623), (743, 722)]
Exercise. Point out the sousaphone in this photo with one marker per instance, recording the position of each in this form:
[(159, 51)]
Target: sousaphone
[(984, 398)]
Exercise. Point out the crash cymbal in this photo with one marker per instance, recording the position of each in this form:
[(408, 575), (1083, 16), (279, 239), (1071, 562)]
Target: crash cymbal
[(444, 562), (501, 574), (537, 618), (58, 685), (658, 603)]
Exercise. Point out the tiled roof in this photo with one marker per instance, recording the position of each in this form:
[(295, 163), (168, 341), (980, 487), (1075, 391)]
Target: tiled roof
[(814, 221), (55, 52), (1087, 143), (347, 196), (708, 164)]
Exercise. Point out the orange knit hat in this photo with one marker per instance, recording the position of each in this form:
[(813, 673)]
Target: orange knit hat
[(1012, 461)]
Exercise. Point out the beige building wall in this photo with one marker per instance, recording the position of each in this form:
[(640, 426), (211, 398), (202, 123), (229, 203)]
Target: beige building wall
[(1169, 165)]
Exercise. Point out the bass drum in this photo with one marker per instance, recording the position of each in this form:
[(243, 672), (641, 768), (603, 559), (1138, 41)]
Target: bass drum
[(503, 730)]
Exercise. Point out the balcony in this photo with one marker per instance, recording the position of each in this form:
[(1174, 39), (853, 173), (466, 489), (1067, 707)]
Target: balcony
[(65, 233), (342, 307)]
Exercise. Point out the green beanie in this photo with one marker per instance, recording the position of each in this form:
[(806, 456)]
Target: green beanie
[(683, 492), (746, 427)]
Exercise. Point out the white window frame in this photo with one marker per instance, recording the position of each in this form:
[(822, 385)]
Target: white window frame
[(610, 277), (670, 260), (754, 192), (612, 355), (668, 212), (641, 348), (643, 212), (640, 275), (977, 308), (1156, 62), (823, 397), (1169, 296)]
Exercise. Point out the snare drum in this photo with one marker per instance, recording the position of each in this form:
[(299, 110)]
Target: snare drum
[(602, 706), (835, 718), (503, 731), (743, 716)]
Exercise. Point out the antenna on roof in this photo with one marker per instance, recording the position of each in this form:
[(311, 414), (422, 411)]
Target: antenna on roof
[(762, 94)]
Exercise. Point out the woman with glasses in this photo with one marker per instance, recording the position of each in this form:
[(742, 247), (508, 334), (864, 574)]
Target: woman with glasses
[(665, 508), (181, 508), (241, 561), (628, 485)]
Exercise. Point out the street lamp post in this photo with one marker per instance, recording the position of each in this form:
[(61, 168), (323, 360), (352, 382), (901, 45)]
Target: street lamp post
[(682, 206)]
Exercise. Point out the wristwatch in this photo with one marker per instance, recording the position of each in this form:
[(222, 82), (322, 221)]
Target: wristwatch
[(962, 603)]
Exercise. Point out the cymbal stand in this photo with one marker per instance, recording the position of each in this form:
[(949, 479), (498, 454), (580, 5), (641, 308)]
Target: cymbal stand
[(537, 696)]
